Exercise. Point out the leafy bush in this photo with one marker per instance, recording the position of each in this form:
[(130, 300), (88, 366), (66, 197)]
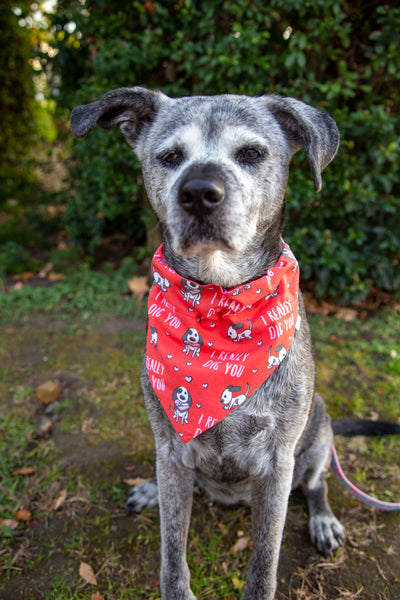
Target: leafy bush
[(16, 101), (340, 56)]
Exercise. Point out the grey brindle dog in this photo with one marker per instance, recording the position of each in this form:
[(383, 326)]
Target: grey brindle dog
[(215, 170)]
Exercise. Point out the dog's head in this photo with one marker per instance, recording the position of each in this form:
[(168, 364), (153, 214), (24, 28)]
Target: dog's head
[(182, 398), (192, 336), (215, 168)]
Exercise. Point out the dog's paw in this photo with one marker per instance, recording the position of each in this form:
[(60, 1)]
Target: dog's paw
[(142, 495), (327, 533)]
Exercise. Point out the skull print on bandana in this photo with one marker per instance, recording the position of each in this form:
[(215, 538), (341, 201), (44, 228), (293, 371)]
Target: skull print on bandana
[(208, 349)]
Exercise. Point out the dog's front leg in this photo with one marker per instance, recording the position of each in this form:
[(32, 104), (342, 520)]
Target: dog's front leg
[(175, 485), (270, 495)]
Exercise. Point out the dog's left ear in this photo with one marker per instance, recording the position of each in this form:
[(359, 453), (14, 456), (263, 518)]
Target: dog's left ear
[(309, 127), (130, 108)]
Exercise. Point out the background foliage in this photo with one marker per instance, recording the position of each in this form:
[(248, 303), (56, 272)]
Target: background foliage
[(16, 96), (337, 55)]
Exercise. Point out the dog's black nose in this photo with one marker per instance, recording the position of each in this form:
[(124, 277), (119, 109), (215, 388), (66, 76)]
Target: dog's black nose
[(201, 195)]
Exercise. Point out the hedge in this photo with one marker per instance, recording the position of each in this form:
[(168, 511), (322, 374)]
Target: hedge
[(338, 55), (17, 107)]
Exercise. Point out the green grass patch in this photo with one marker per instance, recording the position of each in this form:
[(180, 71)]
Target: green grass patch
[(83, 294), (358, 365)]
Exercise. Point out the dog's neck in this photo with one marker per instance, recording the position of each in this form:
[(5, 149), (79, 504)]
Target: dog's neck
[(224, 268)]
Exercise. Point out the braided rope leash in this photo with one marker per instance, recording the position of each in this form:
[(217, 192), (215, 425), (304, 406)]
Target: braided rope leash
[(362, 496)]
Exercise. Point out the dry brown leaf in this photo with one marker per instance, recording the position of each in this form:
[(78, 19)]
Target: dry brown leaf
[(22, 515), (24, 471), (26, 276), (138, 286), (60, 500), (48, 392), (347, 314), (56, 276), (242, 544), (87, 573), (135, 481), (10, 523)]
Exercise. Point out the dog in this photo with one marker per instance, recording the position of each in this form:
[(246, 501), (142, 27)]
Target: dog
[(276, 360), (161, 281), (215, 169), (235, 333), (191, 291), (229, 400), (192, 342), (182, 403)]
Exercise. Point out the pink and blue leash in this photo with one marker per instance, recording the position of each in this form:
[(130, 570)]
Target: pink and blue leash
[(360, 495)]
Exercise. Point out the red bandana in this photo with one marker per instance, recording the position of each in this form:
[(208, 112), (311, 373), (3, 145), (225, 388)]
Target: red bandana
[(208, 349)]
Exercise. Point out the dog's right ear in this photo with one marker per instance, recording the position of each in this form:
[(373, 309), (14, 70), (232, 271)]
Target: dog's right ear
[(129, 108)]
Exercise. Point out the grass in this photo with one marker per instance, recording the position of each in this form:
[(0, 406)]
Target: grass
[(99, 439), (84, 293)]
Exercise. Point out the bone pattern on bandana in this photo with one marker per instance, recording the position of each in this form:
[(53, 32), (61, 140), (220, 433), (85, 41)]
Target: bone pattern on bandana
[(208, 349)]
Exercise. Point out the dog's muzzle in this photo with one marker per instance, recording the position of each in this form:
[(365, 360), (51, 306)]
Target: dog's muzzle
[(201, 193)]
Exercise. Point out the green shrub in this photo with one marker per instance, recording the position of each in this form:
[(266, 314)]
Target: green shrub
[(18, 129), (340, 56)]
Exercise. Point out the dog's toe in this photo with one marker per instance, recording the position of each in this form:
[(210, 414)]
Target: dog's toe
[(143, 495), (327, 533)]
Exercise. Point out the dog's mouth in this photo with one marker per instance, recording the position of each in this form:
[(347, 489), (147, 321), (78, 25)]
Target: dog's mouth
[(190, 246), (194, 235)]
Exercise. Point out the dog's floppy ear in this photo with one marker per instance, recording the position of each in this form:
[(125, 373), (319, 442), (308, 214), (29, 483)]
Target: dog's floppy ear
[(309, 127), (130, 108)]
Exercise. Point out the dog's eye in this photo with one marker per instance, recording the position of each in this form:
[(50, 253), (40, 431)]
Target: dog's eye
[(249, 155), (172, 157)]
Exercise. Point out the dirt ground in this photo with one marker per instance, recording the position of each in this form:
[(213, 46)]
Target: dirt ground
[(93, 441)]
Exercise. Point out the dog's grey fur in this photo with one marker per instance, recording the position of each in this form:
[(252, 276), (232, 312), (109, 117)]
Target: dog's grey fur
[(238, 148)]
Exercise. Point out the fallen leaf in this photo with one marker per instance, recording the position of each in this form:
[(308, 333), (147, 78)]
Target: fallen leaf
[(237, 583), (138, 286), (135, 481), (347, 314), (242, 544), (24, 471), (26, 276), (48, 392), (87, 573), (32, 523), (60, 500), (22, 515), (10, 523), (97, 596), (56, 277)]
